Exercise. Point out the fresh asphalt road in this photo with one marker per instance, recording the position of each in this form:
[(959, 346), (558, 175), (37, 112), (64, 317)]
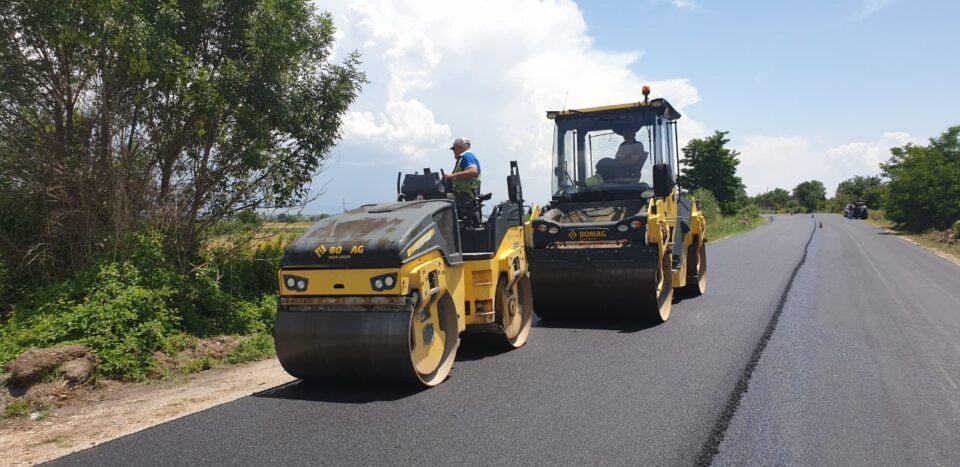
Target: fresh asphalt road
[(862, 368)]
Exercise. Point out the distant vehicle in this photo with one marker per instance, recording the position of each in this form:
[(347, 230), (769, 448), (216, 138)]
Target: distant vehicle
[(861, 210), (856, 210)]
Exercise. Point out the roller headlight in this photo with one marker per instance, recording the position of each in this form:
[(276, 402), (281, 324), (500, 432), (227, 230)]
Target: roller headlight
[(383, 282), (623, 228), (295, 283), (553, 230)]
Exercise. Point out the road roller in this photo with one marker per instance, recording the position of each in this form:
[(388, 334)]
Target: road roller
[(382, 292), (618, 236)]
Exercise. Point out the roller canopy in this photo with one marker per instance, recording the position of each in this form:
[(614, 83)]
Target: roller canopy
[(377, 236)]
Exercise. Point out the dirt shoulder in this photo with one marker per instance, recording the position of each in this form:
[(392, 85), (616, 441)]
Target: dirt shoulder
[(97, 416)]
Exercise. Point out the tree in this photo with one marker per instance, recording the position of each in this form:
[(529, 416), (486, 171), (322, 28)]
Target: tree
[(860, 188), (924, 183), (711, 165), (775, 200), (809, 194), (120, 116)]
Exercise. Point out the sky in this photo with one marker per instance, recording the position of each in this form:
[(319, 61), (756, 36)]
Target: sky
[(808, 90)]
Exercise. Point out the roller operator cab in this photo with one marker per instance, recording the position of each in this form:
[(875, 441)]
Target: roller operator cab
[(618, 237), (382, 292)]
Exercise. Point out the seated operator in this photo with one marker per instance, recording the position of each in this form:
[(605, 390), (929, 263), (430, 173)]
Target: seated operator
[(606, 171), (630, 156)]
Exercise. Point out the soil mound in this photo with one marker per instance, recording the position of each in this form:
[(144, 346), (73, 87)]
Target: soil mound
[(75, 363)]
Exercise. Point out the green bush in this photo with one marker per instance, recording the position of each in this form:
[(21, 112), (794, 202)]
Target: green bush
[(708, 204), (258, 347), (956, 230), (924, 183), (749, 211), (126, 311), (198, 365)]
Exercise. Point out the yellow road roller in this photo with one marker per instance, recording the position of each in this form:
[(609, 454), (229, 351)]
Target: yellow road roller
[(617, 237), (382, 292)]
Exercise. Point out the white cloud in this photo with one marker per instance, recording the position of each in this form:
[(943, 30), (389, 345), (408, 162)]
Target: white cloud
[(485, 70), (768, 162), (869, 7), (685, 4), (407, 125)]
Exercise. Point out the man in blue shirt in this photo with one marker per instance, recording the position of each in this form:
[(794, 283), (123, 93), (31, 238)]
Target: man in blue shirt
[(465, 179), (466, 173)]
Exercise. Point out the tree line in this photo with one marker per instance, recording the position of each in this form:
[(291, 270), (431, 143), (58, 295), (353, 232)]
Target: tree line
[(132, 135), (918, 187), (121, 117)]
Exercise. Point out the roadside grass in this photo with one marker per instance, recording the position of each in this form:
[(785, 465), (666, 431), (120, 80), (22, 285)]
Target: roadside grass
[(189, 354), (720, 226), (258, 347), (934, 240), (21, 408), (17, 408), (728, 226)]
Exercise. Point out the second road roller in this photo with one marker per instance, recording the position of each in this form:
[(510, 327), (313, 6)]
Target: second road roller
[(382, 292), (617, 237)]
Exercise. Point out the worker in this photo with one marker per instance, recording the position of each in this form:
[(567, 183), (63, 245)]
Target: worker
[(465, 178), (630, 156), (606, 171)]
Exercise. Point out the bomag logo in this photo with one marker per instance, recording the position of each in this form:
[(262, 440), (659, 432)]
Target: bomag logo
[(587, 234), (420, 242)]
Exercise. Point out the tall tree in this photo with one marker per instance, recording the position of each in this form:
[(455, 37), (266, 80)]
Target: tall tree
[(860, 188), (924, 183), (711, 165), (809, 194), (115, 116)]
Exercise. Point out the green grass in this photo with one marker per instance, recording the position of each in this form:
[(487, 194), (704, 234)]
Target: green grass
[(17, 408), (728, 226), (256, 348), (198, 365)]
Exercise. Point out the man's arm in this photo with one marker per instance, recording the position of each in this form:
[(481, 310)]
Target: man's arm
[(469, 172)]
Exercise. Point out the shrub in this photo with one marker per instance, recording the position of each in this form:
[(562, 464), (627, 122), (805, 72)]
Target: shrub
[(956, 229), (125, 311), (198, 365), (749, 211), (258, 347), (708, 204)]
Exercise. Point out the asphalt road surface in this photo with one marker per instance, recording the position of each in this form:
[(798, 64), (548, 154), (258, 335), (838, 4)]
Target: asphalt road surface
[(832, 345)]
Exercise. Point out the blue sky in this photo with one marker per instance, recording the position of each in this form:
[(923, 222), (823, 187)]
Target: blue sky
[(841, 70), (808, 90)]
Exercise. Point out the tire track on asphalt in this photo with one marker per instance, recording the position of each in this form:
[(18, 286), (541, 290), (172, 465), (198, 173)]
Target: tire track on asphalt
[(712, 446)]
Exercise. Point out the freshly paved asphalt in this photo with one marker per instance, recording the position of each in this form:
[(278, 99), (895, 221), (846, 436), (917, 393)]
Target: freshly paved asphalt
[(861, 368), (864, 367)]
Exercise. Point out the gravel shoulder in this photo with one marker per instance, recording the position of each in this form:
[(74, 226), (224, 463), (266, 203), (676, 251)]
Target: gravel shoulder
[(98, 416)]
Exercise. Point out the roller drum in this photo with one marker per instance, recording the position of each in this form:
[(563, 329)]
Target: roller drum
[(319, 343), (594, 282)]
